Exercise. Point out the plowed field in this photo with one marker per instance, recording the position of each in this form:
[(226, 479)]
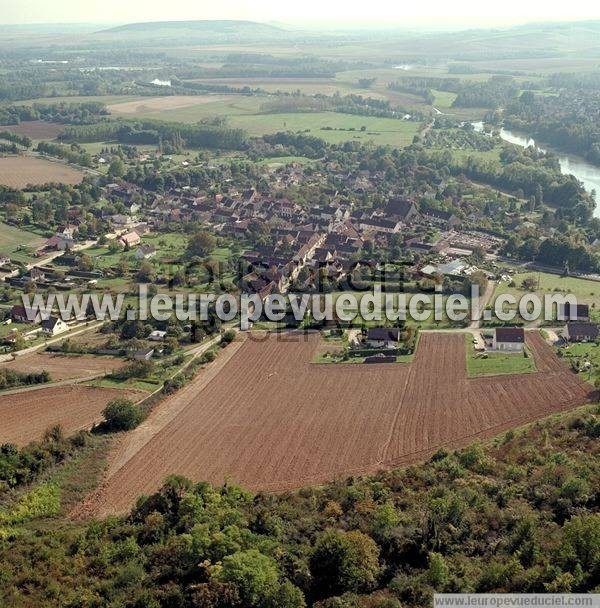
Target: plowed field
[(271, 420), (64, 367), (26, 416), (21, 171)]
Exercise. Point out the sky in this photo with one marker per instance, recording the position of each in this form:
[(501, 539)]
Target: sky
[(389, 12)]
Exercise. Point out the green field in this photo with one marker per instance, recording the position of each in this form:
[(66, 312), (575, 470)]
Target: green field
[(586, 291), (246, 113), (494, 364), (18, 244)]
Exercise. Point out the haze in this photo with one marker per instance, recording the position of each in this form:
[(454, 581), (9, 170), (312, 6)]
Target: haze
[(435, 13)]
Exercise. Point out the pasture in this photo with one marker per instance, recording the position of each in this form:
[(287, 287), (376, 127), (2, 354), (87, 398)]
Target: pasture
[(263, 416), (18, 243)]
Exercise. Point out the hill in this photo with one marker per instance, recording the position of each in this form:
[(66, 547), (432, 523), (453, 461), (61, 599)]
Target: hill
[(198, 31), (519, 514)]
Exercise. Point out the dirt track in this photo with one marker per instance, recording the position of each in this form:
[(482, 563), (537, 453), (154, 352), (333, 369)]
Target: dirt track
[(25, 417), (271, 420)]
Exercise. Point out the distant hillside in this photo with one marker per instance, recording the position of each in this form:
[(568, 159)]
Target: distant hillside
[(207, 31)]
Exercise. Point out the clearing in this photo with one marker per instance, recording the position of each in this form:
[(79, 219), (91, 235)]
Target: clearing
[(270, 420)]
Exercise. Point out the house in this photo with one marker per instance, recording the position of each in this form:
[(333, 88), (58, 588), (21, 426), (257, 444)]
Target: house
[(54, 326), (511, 339), (402, 209), (441, 218), (131, 239), (22, 314), (144, 354), (59, 243), (157, 335), (145, 252), (383, 337), (11, 337), (579, 331), (579, 312)]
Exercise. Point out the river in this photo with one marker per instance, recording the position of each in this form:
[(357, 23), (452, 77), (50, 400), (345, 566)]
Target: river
[(586, 173)]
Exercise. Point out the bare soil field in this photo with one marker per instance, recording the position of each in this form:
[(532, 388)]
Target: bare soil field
[(37, 129), (26, 416), (20, 171), (155, 104), (64, 367), (271, 420)]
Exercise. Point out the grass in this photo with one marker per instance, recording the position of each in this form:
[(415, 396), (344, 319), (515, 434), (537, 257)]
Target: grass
[(497, 363), (582, 353), (344, 127), (245, 113), (18, 244), (585, 290)]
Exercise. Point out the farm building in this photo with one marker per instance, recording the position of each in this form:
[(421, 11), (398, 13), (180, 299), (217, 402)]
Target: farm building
[(21, 314), (510, 339), (145, 252), (144, 354), (131, 239), (383, 337), (579, 331), (157, 335), (59, 243), (54, 326), (579, 312)]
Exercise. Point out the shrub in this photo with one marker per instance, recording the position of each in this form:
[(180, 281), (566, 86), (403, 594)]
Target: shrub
[(122, 415)]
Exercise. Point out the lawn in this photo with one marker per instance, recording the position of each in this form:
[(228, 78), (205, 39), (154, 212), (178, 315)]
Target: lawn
[(578, 355), (586, 291), (494, 364), (18, 244)]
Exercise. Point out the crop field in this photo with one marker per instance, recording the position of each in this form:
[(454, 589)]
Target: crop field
[(64, 367), (37, 129), (149, 105), (271, 420), (26, 416), (20, 171), (245, 113)]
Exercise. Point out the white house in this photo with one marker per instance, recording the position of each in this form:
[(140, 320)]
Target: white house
[(54, 326), (511, 339), (145, 252), (383, 337), (157, 335)]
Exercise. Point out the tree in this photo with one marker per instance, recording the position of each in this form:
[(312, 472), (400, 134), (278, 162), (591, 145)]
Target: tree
[(344, 561), (122, 415), (201, 244), (116, 168), (253, 574), (145, 273)]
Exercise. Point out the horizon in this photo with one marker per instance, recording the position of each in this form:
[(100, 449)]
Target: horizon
[(465, 14)]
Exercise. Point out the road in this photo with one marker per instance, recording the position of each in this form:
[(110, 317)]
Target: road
[(26, 351), (483, 302)]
